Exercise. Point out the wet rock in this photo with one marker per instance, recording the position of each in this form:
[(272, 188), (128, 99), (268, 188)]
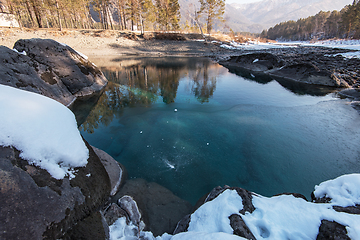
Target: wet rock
[(113, 212), (115, 170), (37, 206), (257, 62), (332, 231), (160, 208), (128, 204), (310, 74), (49, 68)]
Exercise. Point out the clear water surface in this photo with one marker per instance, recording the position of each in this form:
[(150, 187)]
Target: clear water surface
[(191, 125)]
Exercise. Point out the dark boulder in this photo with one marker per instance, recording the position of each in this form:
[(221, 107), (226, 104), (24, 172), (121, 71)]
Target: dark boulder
[(308, 73), (115, 170), (160, 208), (257, 62), (93, 227), (49, 68), (34, 205), (332, 231)]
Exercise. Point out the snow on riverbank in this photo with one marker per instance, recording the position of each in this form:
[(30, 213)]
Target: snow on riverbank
[(43, 130), (278, 218), (341, 44)]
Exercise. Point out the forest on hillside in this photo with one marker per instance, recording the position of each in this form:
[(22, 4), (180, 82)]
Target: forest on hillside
[(324, 25), (152, 15)]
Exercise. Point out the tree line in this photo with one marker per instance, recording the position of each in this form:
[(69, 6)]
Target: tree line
[(324, 25), (109, 14)]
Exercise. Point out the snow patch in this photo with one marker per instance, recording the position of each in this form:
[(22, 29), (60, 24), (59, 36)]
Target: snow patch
[(213, 216), (43, 130), (277, 218), (344, 191), (22, 53)]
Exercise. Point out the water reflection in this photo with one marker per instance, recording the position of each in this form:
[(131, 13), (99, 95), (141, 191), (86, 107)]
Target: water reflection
[(136, 82), (227, 130)]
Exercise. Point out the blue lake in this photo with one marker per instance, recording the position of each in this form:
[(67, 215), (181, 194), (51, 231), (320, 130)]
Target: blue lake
[(191, 125)]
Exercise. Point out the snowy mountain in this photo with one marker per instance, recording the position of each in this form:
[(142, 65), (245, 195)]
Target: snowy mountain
[(254, 17)]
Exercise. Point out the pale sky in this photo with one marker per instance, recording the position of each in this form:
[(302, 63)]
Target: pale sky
[(241, 1)]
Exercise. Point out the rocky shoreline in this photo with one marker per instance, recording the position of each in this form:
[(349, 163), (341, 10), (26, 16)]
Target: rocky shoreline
[(94, 205), (310, 70)]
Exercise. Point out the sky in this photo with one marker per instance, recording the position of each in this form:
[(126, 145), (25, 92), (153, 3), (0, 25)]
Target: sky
[(241, 1)]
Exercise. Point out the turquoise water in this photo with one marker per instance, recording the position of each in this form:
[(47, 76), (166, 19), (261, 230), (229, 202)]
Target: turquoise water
[(191, 125)]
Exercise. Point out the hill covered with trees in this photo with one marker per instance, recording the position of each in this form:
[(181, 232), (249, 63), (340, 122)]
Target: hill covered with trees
[(324, 25), (163, 15)]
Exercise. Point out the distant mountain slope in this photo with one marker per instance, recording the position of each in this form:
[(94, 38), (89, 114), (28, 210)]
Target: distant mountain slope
[(254, 17)]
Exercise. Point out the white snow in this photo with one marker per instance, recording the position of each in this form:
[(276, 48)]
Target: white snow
[(213, 216), (203, 236), (277, 218), (287, 217), (344, 191), (340, 43), (253, 45), (43, 130), (22, 53)]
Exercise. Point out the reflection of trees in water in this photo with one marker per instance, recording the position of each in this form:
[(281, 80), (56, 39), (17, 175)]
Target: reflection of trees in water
[(169, 83), (203, 86), (143, 84)]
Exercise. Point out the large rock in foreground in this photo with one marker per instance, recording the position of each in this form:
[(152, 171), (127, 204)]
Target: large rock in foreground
[(49, 68), (34, 205)]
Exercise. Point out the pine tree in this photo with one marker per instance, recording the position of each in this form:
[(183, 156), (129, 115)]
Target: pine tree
[(213, 9), (168, 15)]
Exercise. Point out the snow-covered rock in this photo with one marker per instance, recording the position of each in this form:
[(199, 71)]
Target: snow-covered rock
[(50, 179), (281, 217)]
